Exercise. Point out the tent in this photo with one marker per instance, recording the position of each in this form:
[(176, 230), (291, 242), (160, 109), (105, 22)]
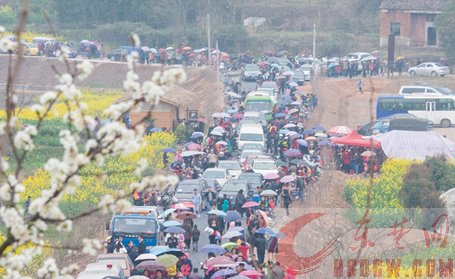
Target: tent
[(415, 144), (354, 139)]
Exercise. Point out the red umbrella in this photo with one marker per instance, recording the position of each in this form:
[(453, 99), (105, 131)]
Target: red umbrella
[(221, 143), (292, 153), (250, 204), (194, 147), (287, 179), (187, 48), (188, 204), (185, 214), (220, 260), (271, 176), (340, 130), (253, 274), (237, 115)]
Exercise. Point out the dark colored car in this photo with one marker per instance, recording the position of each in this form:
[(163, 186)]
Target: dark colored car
[(232, 187), (251, 72), (185, 189), (254, 179)]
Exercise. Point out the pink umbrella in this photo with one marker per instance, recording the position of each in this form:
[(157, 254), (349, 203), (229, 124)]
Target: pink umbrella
[(251, 273), (220, 260), (221, 143), (292, 153), (287, 179), (193, 147), (271, 176), (250, 204), (340, 130)]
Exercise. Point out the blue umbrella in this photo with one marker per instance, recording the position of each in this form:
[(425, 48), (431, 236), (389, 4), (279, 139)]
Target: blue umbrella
[(223, 273), (196, 135), (324, 142), (280, 115), (171, 223), (232, 216), (174, 230), (302, 142), (173, 251), (237, 229), (154, 130), (309, 132), (166, 213), (217, 212), (159, 250), (169, 150), (265, 231), (283, 131), (213, 248), (318, 128)]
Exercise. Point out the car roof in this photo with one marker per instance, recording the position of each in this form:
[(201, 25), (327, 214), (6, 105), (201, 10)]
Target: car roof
[(215, 169), (191, 181), (251, 113), (250, 174), (102, 267), (228, 161)]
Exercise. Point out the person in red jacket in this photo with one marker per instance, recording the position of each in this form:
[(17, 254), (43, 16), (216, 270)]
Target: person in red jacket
[(244, 248)]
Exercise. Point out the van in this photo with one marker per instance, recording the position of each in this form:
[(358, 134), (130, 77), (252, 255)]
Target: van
[(251, 133), (101, 270), (423, 89)]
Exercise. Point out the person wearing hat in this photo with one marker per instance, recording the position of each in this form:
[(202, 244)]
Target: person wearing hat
[(109, 245)]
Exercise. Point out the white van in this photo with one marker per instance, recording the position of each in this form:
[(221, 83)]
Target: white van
[(424, 89), (101, 270), (251, 133)]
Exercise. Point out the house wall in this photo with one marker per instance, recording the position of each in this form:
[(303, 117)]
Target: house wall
[(386, 17), (164, 116), (419, 22)]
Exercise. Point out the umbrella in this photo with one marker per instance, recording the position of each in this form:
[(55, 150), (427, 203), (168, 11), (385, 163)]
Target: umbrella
[(287, 179), (185, 214), (292, 111), (281, 164), (296, 103), (220, 115), (213, 248), (250, 274), (302, 142), (289, 125), (219, 261), (187, 204), (234, 95), (167, 260), (368, 153), (154, 50), (324, 142), (169, 48), (292, 133), (176, 230), (331, 65), (237, 115), (293, 84), (187, 48), (311, 139), (174, 251), (171, 223), (271, 176), (237, 229), (250, 204), (319, 128), (154, 130), (159, 250), (239, 277), (340, 130), (179, 206), (288, 73), (221, 143), (229, 245), (292, 153), (169, 150), (232, 216), (216, 133), (265, 231), (283, 131), (264, 216), (298, 162), (268, 193), (231, 234), (166, 213), (150, 266), (308, 132), (191, 153), (223, 273), (144, 257), (320, 135), (196, 135), (217, 212), (280, 115), (194, 147)]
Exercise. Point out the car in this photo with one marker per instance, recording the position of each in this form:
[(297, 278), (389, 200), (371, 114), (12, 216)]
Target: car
[(122, 260), (264, 166), (251, 133), (270, 84), (30, 49), (252, 146), (251, 116), (429, 69), (233, 186), (232, 166), (299, 77), (424, 89), (280, 62), (306, 72), (251, 72), (357, 56), (404, 120), (255, 179), (249, 155), (185, 189), (100, 271), (269, 90), (218, 174)]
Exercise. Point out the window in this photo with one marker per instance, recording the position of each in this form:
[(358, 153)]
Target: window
[(445, 104), (395, 28)]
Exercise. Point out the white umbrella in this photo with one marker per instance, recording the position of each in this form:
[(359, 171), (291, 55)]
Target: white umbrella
[(289, 125), (191, 153), (144, 48), (231, 234), (169, 48), (147, 256), (288, 73), (219, 129), (234, 95), (292, 111), (220, 115)]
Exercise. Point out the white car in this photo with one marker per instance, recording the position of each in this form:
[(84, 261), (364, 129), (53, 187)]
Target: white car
[(357, 56), (232, 166), (101, 270), (218, 174), (429, 69), (264, 166)]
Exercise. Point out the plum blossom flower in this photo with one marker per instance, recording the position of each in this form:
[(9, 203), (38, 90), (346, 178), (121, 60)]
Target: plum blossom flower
[(85, 68)]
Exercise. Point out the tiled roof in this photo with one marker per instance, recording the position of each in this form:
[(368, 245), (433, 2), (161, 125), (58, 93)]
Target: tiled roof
[(415, 5)]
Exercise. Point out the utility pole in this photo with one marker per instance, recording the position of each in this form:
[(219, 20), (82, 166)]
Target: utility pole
[(314, 54), (217, 60), (208, 41)]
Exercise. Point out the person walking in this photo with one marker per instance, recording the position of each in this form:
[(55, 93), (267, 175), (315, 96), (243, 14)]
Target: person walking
[(188, 230), (239, 202), (286, 197), (197, 201), (142, 247), (195, 234), (260, 248), (360, 86)]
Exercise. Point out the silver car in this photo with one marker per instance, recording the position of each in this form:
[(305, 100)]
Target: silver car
[(429, 69)]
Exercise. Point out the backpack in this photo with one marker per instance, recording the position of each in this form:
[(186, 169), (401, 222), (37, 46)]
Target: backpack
[(185, 269)]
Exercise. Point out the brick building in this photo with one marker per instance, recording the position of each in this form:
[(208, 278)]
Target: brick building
[(412, 21)]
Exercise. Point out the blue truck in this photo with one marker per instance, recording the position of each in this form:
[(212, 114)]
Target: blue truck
[(139, 220)]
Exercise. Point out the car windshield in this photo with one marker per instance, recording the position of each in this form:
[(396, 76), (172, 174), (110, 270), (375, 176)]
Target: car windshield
[(234, 187), (213, 174), (259, 105), (247, 153), (115, 261), (444, 90), (251, 68), (229, 165), (438, 65), (268, 84), (264, 165), (305, 68), (251, 137), (253, 179), (186, 188), (252, 146), (133, 226), (298, 74)]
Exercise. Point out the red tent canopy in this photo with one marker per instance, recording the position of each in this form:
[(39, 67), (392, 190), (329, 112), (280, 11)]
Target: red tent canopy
[(354, 139)]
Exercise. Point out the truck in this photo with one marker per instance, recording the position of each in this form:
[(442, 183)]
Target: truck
[(139, 220)]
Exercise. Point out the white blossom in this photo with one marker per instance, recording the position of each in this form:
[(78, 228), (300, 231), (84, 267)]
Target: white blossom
[(47, 97), (49, 269), (23, 140), (14, 221), (5, 192), (2, 29), (62, 53), (65, 226), (85, 68), (90, 246), (136, 39), (7, 45)]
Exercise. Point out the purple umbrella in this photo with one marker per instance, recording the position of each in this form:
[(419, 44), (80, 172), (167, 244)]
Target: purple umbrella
[(232, 216), (271, 176), (287, 179), (223, 273), (292, 153), (302, 142)]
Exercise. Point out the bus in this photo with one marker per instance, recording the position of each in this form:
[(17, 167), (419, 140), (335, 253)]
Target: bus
[(260, 102), (438, 109)]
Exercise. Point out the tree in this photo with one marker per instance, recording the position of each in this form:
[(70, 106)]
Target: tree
[(444, 24), (83, 143)]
